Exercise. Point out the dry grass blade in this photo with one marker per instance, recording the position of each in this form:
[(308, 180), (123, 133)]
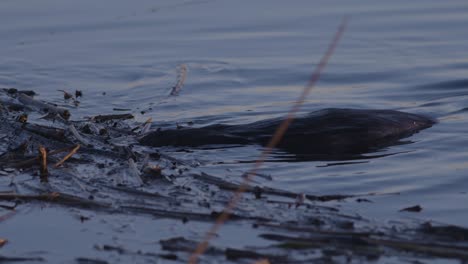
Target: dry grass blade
[(201, 248), (44, 173), (41, 197), (71, 153)]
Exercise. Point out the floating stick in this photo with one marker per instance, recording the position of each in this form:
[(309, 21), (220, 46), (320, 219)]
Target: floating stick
[(44, 173)]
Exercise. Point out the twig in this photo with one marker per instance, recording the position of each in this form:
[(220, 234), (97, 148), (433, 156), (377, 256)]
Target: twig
[(66, 95), (134, 191), (273, 142), (72, 152), (43, 164), (56, 197), (186, 215), (223, 184), (315, 231), (181, 76), (6, 259), (28, 162)]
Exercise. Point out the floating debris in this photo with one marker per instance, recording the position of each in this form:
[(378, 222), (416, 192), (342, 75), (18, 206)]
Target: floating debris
[(66, 95), (181, 76), (104, 118), (44, 107)]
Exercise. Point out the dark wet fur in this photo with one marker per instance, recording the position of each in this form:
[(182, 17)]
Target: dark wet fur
[(332, 132)]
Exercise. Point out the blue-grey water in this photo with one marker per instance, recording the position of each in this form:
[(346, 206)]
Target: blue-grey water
[(249, 60)]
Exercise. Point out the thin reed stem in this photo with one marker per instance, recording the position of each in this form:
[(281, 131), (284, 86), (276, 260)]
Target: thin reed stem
[(202, 246)]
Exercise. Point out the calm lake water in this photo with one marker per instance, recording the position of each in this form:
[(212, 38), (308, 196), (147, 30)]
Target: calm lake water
[(249, 60)]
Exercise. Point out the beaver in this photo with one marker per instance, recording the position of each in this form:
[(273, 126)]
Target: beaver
[(328, 132)]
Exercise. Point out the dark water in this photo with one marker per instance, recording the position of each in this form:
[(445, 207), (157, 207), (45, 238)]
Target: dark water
[(249, 60)]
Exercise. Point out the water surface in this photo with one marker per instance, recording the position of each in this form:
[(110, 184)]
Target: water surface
[(249, 60)]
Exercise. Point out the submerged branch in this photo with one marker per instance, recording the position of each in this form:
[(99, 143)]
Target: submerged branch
[(104, 118), (55, 197), (225, 185)]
